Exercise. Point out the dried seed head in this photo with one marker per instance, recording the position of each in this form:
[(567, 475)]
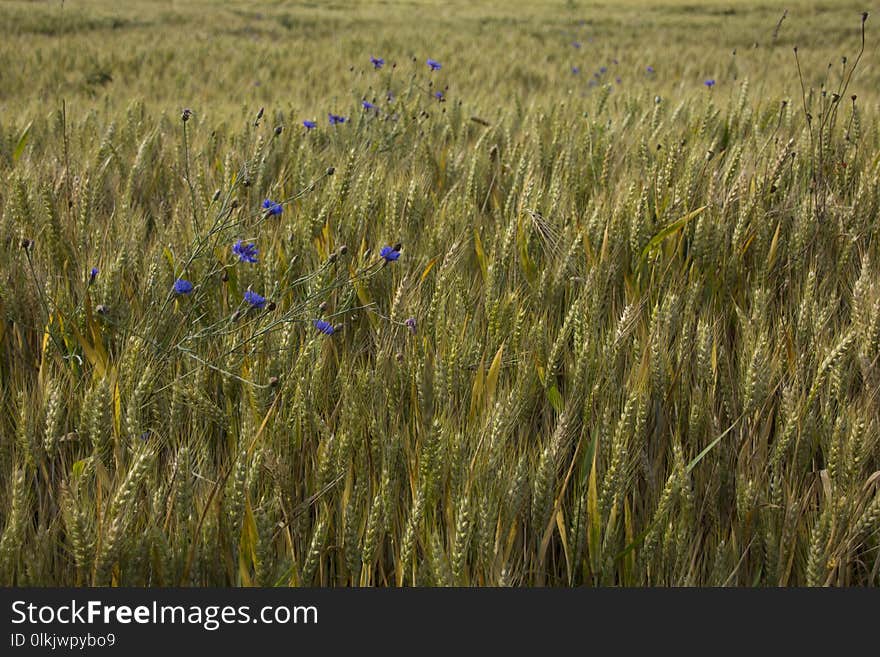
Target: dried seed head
[(323, 307), (27, 244), (343, 250), (186, 114), (273, 381), (330, 171)]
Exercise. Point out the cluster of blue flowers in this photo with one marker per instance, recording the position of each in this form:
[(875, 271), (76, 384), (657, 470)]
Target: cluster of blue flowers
[(378, 63), (248, 252), (597, 76), (649, 70)]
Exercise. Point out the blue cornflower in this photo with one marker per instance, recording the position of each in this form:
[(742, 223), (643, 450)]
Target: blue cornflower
[(324, 327), (434, 65), (182, 286), (93, 275), (389, 96), (310, 125), (245, 252), (603, 69), (576, 44), (254, 299), (377, 62), (335, 118), (439, 95), (709, 83), (618, 80), (575, 70), (650, 69), (411, 325), (272, 206), (367, 105), (389, 253)]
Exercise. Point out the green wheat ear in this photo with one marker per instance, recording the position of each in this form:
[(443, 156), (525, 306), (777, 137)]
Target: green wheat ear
[(14, 532)]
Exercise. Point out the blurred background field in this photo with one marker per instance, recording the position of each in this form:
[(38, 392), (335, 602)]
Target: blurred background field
[(624, 329), (227, 57)]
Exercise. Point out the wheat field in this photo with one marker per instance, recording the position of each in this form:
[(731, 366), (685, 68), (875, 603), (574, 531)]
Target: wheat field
[(439, 293)]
